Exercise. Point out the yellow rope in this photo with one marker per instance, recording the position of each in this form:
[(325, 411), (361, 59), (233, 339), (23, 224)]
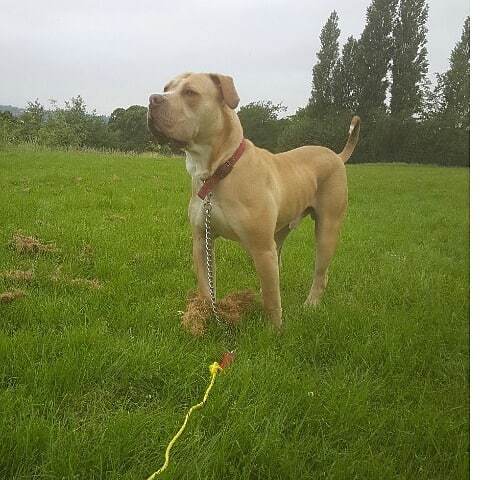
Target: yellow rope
[(214, 369)]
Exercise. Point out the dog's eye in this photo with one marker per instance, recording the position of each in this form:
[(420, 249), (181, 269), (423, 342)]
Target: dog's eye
[(189, 92)]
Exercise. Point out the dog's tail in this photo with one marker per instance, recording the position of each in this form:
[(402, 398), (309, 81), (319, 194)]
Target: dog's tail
[(353, 135)]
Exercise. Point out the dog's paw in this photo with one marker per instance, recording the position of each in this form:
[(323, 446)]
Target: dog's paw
[(311, 302)]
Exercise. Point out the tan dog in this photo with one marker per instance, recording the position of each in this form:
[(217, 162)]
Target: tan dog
[(265, 196)]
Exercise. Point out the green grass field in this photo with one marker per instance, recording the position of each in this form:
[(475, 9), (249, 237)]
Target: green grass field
[(373, 384)]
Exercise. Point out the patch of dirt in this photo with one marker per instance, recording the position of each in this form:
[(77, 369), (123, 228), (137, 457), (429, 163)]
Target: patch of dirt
[(18, 275), (86, 251), (86, 282), (117, 216), (230, 309), (57, 274), (27, 244), (195, 317), (7, 297), (234, 305)]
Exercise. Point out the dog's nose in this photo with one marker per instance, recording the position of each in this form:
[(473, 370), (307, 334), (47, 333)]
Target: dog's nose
[(155, 99)]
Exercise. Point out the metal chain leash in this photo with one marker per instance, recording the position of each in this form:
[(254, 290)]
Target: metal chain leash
[(209, 254), (210, 261)]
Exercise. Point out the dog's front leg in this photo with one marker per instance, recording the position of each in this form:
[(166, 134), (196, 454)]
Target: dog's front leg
[(200, 262), (266, 264)]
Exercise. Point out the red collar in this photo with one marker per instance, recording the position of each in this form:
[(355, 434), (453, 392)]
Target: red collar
[(222, 171)]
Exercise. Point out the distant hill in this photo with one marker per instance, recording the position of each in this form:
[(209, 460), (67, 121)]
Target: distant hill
[(15, 111)]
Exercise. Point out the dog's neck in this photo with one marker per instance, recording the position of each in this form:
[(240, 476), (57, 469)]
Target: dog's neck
[(197, 161), (203, 158)]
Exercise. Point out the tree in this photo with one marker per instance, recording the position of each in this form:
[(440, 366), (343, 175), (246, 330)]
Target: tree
[(73, 126), (454, 85), (375, 51), (261, 124), (115, 115), (410, 64), (32, 120), (8, 128), (345, 82), (305, 129), (321, 100), (65, 127), (129, 128)]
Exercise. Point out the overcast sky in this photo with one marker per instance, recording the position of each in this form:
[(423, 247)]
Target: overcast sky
[(116, 52)]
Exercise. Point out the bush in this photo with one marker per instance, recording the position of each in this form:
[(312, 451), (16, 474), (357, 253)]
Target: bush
[(261, 124), (382, 138), (9, 128)]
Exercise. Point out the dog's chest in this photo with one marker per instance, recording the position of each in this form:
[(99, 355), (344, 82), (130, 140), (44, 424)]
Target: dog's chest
[(219, 221)]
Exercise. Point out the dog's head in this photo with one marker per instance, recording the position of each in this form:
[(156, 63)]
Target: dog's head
[(191, 108)]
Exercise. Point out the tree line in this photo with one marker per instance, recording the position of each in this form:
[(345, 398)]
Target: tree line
[(73, 126), (381, 76)]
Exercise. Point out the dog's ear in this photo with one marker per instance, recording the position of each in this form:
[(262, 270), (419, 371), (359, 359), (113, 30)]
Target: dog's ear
[(227, 87)]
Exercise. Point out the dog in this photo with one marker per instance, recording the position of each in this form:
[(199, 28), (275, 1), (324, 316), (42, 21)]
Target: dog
[(265, 195)]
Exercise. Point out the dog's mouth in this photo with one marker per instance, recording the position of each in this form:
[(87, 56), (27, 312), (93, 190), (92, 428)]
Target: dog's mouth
[(160, 136), (155, 130)]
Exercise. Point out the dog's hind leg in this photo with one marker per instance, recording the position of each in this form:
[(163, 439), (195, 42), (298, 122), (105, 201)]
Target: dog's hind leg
[(326, 233), (280, 237), (282, 234), (329, 214)]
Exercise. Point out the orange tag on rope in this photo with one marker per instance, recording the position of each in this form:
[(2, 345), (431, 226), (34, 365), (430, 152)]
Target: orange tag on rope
[(227, 359)]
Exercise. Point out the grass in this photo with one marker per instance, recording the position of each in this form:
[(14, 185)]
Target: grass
[(373, 384)]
